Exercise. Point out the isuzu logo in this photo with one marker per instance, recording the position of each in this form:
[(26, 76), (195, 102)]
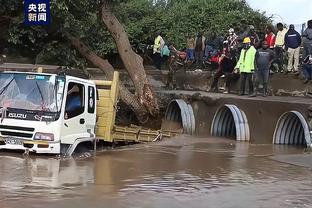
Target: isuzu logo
[(17, 115)]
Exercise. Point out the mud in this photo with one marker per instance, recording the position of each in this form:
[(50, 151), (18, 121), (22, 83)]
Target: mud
[(182, 172)]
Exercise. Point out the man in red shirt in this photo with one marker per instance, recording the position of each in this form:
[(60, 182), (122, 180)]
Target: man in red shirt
[(270, 36)]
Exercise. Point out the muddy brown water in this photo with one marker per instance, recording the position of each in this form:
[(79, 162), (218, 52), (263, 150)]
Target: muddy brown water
[(182, 172)]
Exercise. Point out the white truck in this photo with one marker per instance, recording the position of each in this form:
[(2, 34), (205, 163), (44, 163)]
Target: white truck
[(54, 113)]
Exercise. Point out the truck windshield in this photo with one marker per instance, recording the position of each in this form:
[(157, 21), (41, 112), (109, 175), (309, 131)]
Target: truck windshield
[(31, 92)]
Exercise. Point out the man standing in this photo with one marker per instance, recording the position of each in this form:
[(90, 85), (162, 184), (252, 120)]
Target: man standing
[(292, 44), (159, 43), (307, 39), (264, 58), (246, 65), (280, 45), (199, 48), (307, 68)]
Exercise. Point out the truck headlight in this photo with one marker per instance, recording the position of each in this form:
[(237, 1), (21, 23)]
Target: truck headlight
[(44, 136)]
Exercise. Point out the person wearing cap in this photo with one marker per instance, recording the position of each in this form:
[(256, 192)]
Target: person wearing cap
[(264, 58), (246, 66), (280, 45), (292, 44), (232, 41)]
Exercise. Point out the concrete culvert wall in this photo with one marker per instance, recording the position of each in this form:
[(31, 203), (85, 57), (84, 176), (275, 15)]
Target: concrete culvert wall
[(229, 121), (180, 111), (292, 129)]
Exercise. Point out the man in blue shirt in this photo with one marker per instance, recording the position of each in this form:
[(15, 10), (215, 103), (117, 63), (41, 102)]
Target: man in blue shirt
[(264, 58), (292, 44)]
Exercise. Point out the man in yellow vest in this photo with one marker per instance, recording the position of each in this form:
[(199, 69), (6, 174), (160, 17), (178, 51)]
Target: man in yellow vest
[(158, 45), (246, 66)]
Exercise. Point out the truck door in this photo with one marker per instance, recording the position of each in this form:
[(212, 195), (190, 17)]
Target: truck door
[(75, 114), (91, 109)]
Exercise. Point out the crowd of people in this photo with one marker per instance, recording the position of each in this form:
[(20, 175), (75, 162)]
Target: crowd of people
[(246, 56)]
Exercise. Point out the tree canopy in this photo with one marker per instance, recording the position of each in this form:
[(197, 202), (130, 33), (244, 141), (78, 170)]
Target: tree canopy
[(142, 18)]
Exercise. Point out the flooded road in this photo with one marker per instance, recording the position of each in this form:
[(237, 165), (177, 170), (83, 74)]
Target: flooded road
[(183, 172)]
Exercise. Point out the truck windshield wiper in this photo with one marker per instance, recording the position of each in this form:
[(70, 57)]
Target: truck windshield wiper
[(41, 95), (7, 85)]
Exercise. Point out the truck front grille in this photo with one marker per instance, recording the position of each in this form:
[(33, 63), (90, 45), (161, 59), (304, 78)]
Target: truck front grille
[(18, 128), (16, 131), (16, 134)]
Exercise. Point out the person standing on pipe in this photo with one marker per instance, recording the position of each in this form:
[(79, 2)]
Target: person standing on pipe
[(264, 59), (246, 66)]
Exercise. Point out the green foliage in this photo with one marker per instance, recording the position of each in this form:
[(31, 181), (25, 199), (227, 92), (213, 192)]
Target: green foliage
[(142, 18)]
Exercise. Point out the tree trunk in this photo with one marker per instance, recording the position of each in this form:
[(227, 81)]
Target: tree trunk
[(132, 61), (126, 96)]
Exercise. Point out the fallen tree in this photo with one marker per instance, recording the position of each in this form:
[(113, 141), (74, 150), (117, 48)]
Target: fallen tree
[(132, 61), (126, 96)]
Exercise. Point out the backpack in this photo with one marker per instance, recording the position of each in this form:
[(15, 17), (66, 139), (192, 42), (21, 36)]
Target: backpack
[(165, 51)]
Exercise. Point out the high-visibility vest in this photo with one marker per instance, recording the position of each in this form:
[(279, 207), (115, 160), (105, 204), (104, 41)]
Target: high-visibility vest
[(156, 48), (246, 62)]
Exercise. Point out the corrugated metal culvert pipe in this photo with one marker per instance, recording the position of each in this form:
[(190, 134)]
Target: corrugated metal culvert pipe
[(292, 129), (231, 122), (178, 110)]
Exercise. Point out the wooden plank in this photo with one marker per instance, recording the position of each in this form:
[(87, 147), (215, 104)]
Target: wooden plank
[(103, 93)]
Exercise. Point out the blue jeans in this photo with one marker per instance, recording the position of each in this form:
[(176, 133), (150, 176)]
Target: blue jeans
[(190, 54), (307, 71)]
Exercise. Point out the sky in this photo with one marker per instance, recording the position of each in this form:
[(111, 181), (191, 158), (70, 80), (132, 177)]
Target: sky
[(290, 11)]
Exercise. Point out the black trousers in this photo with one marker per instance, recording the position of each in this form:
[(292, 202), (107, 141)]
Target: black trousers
[(243, 78), (157, 60), (279, 57)]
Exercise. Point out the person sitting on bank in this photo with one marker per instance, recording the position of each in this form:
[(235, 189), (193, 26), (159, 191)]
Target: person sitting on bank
[(307, 68), (246, 66), (264, 58)]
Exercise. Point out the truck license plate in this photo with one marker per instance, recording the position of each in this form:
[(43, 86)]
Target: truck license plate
[(13, 141)]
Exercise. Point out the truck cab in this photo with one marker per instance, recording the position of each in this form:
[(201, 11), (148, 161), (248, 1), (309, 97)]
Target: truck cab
[(46, 113)]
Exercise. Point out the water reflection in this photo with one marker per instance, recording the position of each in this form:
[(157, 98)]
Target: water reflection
[(172, 173), (47, 177)]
